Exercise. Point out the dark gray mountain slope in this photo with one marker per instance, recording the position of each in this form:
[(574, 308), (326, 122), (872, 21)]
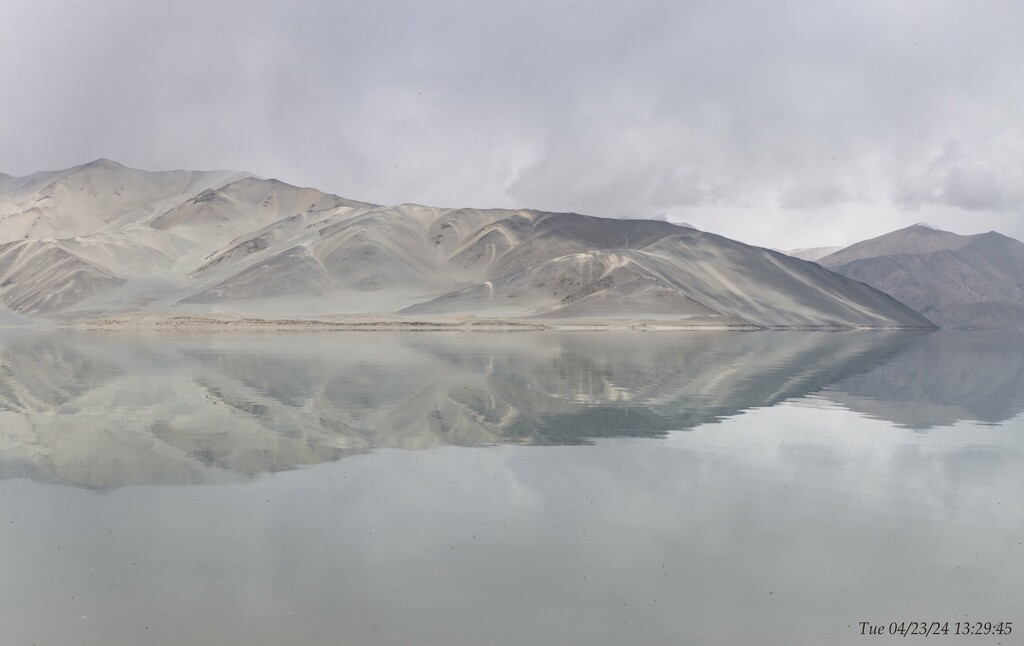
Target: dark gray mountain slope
[(955, 280)]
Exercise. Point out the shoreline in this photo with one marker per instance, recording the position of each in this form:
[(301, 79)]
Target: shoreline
[(385, 324)]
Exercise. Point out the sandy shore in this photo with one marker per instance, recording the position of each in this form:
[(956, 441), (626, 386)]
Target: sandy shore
[(383, 323)]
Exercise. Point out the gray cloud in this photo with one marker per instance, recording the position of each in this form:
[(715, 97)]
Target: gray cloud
[(813, 196), (786, 124), (990, 181)]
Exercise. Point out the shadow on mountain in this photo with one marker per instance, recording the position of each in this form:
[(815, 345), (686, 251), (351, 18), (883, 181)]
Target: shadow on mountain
[(941, 379), (104, 410)]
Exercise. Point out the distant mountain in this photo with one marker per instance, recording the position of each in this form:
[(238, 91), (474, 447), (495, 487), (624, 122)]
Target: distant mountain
[(812, 253), (955, 280), (102, 239)]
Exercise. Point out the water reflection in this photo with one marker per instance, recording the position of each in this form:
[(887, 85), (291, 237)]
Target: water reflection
[(941, 379), (102, 410), (786, 522)]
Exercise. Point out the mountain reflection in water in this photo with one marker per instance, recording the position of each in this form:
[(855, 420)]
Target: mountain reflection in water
[(103, 410)]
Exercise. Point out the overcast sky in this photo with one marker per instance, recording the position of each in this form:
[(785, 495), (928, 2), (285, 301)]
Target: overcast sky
[(784, 124)]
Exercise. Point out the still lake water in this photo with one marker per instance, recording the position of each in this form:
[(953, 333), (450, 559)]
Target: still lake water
[(517, 488)]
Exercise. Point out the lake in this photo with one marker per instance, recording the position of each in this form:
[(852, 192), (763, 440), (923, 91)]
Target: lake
[(508, 488)]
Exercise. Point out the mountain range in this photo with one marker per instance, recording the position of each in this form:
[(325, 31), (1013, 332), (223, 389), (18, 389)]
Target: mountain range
[(957, 281), (102, 241)]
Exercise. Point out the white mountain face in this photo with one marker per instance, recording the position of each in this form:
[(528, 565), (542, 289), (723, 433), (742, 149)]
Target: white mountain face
[(103, 240), (954, 280)]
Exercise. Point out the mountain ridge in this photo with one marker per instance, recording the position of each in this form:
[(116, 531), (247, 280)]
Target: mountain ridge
[(127, 241), (955, 280)]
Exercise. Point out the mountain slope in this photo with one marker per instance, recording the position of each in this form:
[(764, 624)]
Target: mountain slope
[(954, 280), (38, 276), (690, 274), (220, 215), (554, 266), (92, 197), (102, 239)]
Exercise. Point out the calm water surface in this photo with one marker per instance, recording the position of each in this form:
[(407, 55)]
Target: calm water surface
[(521, 488)]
